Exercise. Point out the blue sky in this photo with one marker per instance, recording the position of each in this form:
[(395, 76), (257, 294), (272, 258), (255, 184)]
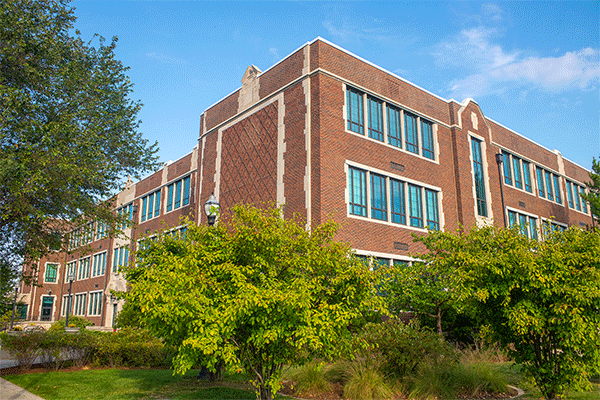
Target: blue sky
[(531, 66)]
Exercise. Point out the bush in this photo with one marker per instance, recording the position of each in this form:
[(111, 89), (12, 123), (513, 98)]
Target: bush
[(365, 381), (131, 347), (74, 321), (309, 378), (24, 347), (401, 348)]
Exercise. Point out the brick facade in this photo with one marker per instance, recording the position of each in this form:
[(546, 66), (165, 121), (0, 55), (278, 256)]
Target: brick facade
[(285, 138)]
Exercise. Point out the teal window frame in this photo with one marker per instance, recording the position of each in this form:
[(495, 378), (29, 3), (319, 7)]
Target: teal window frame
[(415, 206), (394, 123), (507, 168), (51, 273), (480, 195), (398, 201), (527, 176), (375, 113), (517, 172), (557, 190), (540, 181), (411, 133), (378, 197), (432, 208), (549, 191), (427, 139), (357, 191), (354, 108)]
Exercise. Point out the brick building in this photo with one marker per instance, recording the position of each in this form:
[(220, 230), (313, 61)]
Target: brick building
[(331, 136)]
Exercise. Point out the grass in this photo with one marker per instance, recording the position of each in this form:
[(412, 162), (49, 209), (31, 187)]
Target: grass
[(127, 384)]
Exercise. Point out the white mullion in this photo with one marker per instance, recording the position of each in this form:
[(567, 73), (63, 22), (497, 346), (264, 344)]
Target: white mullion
[(419, 139), (368, 178), (366, 114), (402, 132), (388, 198), (424, 206), (384, 119)]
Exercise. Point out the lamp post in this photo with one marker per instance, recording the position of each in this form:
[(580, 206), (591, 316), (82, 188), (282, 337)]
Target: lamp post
[(499, 161), (211, 208), (71, 276)]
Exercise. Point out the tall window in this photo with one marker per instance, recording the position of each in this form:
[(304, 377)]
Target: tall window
[(121, 258), (540, 181), (178, 194), (583, 203), (416, 207), (354, 104), (101, 230), (51, 273), (378, 197), (410, 133), (527, 225), (71, 270), (479, 177), (394, 126), (427, 138), (517, 170), (79, 307), (151, 205), (375, 118), (358, 191), (549, 185), (127, 212), (570, 194), (67, 303), (84, 268), (431, 204), (557, 189), (577, 199), (398, 202), (95, 307), (99, 264), (507, 169), (527, 176)]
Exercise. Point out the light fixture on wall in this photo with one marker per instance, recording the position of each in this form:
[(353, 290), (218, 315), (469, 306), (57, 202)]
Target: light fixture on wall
[(211, 208)]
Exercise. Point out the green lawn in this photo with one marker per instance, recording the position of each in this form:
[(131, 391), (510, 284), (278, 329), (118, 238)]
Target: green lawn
[(126, 384), (160, 384)]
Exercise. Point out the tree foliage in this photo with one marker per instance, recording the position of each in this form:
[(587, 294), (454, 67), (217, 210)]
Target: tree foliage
[(255, 292), (593, 196), (68, 129), (540, 300)]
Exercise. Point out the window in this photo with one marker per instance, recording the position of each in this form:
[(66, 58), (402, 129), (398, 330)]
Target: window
[(507, 170), (479, 178), (527, 224), (84, 268), (81, 236), (127, 212), (549, 191), (427, 138), (403, 210), (577, 198), (540, 181), (71, 270), (394, 126), (398, 201), (66, 305), (375, 118), (178, 194), (51, 273), (151, 205), (527, 176), (101, 230), (354, 104), (379, 262), (410, 133), (121, 258), (517, 170), (99, 264), (570, 194), (358, 191), (95, 307), (583, 203), (557, 189), (79, 307), (433, 218), (378, 197), (416, 210)]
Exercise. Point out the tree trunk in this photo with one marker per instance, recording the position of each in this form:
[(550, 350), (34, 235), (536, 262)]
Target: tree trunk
[(438, 322), (265, 392)]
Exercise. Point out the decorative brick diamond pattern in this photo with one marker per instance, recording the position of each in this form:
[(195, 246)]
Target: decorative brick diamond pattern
[(249, 160)]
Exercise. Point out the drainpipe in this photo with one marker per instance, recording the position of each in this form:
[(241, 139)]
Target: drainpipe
[(499, 161)]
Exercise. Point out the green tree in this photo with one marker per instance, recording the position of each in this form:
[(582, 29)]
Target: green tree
[(540, 300), (255, 292), (421, 288), (593, 196), (69, 132)]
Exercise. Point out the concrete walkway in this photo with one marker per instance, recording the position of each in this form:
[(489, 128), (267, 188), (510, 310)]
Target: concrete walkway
[(10, 391)]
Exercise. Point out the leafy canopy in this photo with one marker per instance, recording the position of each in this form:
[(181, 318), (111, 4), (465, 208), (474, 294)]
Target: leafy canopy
[(593, 196), (255, 292), (68, 129), (540, 300)]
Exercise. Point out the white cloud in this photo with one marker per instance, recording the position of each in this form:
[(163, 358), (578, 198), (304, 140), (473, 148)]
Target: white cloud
[(492, 10), (494, 70), (275, 53), (165, 59)]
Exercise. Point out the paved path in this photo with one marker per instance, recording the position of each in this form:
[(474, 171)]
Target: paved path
[(10, 391)]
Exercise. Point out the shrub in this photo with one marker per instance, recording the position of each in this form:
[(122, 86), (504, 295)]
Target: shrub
[(309, 378), (131, 347), (402, 348), (74, 321), (24, 347), (365, 381)]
